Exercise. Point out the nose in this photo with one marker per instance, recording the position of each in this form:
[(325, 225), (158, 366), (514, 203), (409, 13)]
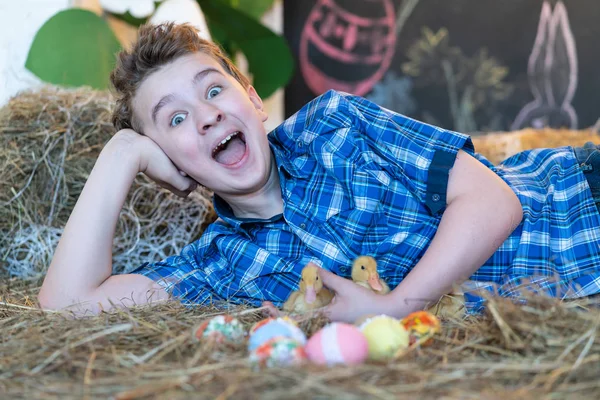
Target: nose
[(210, 116)]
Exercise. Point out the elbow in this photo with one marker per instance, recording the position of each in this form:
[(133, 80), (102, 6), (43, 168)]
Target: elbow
[(517, 209), (48, 301), (51, 300), (512, 209), (72, 309), (45, 301)]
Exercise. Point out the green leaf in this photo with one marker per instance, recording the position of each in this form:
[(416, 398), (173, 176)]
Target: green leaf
[(220, 36), (74, 48), (269, 58), (254, 8)]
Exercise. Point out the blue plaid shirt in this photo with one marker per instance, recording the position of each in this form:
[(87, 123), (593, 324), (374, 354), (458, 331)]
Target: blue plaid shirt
[(358, 179)]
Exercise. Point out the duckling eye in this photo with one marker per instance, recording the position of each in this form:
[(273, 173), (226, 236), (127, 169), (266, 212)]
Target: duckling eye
[(317, 278), (362, 267)]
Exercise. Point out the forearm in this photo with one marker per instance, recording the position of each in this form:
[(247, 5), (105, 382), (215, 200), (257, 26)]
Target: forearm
[(470, 231), (83, 257)]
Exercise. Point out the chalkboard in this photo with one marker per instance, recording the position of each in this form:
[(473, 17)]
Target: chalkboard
[(468, 65)]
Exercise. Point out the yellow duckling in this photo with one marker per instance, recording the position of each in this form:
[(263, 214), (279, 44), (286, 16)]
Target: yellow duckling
[(451, 305), (311, 294), (364, 273)]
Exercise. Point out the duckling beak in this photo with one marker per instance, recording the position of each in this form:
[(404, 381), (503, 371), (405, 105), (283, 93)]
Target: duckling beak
[(310, 295), (374, 282)]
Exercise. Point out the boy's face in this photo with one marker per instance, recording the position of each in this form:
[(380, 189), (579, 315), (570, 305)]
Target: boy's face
[(207, 124)]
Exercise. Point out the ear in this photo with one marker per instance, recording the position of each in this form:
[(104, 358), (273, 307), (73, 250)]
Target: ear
[(258, 103)]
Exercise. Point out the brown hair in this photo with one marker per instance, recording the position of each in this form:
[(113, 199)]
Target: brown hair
[(156, 46)]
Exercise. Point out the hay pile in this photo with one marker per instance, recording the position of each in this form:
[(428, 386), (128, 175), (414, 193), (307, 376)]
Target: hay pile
[(548, 349), (49, 141), (497, 146)]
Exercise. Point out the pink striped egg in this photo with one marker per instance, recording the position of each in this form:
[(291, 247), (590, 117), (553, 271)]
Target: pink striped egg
[(337, 343)]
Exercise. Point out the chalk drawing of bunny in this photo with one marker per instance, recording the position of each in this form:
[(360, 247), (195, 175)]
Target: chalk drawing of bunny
[(552, 71)]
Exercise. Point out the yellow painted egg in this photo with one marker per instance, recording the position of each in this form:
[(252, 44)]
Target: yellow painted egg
[(385, 336)]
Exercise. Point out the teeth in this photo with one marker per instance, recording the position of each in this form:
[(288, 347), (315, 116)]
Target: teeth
[(227, 139)]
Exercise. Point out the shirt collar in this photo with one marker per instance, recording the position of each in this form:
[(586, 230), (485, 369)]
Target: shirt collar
[(284, 163), (224, 210)]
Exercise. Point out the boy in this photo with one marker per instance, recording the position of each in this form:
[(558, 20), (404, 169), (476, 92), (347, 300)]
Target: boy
[(341, 178)]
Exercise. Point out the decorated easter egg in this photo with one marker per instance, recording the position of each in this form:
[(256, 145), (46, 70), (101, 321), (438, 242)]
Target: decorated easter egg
[(278, 352), (276, 328), (337, 343), (221, 328), (268, 320), (421, 327), (385, 335)]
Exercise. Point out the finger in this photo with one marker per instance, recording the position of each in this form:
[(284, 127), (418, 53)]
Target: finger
[(332, 281), (332, 311), (184, 183), (173, 189), (183, 187), (193, 187), (177, 192), (271, 310)]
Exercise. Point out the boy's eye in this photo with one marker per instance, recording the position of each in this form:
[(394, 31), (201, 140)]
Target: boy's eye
[(213, 91), (177, 119)]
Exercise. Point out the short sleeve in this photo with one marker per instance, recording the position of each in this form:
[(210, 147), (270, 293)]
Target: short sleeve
[(182, 276), (419, 154)]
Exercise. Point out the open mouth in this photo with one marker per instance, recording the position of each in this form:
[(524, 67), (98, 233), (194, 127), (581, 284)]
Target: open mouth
[(231, 149)]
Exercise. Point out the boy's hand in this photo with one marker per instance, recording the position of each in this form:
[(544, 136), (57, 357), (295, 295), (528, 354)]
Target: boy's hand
[(153, 162), (352, 301)]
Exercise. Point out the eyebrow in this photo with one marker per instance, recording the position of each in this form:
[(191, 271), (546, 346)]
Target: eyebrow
[(170, 97), (163, 102), (202, 74)]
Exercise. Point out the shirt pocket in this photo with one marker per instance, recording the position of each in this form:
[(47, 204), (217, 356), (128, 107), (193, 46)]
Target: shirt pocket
[(363, 226)]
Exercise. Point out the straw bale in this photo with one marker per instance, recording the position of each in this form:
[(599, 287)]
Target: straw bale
[(497, 146), (49, 141)]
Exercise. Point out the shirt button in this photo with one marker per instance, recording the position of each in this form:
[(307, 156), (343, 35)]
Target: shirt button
[(343, 270), (435, 197), (303, 226), (299, 143)]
